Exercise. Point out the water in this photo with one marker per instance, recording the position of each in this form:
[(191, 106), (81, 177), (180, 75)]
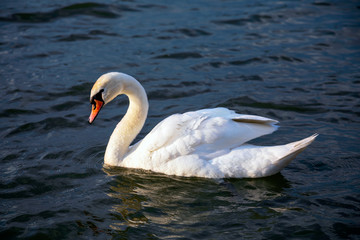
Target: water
[(295, 61)]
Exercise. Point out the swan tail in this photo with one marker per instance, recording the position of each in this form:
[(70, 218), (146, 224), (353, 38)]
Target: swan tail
[(302, 144), (294, 149), (250, 161)]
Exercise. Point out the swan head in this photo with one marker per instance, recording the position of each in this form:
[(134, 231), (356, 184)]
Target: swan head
[(105, 89)]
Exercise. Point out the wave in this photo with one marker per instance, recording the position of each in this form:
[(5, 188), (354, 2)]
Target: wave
[(89, 8)]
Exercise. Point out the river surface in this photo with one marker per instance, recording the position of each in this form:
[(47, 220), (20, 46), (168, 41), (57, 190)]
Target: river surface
[(294, 61)]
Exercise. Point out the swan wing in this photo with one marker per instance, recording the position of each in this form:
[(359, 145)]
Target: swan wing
[(206, 133)]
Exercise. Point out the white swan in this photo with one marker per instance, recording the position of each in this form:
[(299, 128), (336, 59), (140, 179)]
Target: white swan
[(206, 143)]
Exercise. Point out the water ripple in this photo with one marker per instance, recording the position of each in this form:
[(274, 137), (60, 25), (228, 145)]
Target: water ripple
[(190, 32), (46, 125), (66, 106), (90, 8), (249, 61), (256, 18), (16, 112), (295, 107), (176, 94), (181, 55)]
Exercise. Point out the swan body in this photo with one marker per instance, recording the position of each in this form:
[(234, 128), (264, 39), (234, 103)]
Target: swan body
[(208, 143)]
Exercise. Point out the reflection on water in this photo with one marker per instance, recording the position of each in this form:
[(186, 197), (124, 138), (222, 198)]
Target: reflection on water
[(163, 203), (294, 61)]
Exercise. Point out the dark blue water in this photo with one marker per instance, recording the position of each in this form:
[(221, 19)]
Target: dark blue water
[(295, 61)]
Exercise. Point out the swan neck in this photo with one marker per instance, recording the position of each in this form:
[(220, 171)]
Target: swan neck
[(131, 124)]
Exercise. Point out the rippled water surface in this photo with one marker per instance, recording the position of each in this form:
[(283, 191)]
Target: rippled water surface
[(295, 61)]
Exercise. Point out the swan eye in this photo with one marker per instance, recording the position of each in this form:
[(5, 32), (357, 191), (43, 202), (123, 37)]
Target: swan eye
[(98, 97)]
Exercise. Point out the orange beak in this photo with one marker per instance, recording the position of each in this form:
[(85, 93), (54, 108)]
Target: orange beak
[(96, 106)]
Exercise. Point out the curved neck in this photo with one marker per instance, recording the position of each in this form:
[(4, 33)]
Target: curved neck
[(131, 124)]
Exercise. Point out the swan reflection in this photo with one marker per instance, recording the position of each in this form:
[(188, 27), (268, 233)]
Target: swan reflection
[(145, 199)]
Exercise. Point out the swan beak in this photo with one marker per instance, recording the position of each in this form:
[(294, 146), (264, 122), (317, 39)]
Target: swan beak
[(96, 106)]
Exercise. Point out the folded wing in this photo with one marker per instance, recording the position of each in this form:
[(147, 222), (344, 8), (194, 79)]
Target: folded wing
[(206, 133)]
